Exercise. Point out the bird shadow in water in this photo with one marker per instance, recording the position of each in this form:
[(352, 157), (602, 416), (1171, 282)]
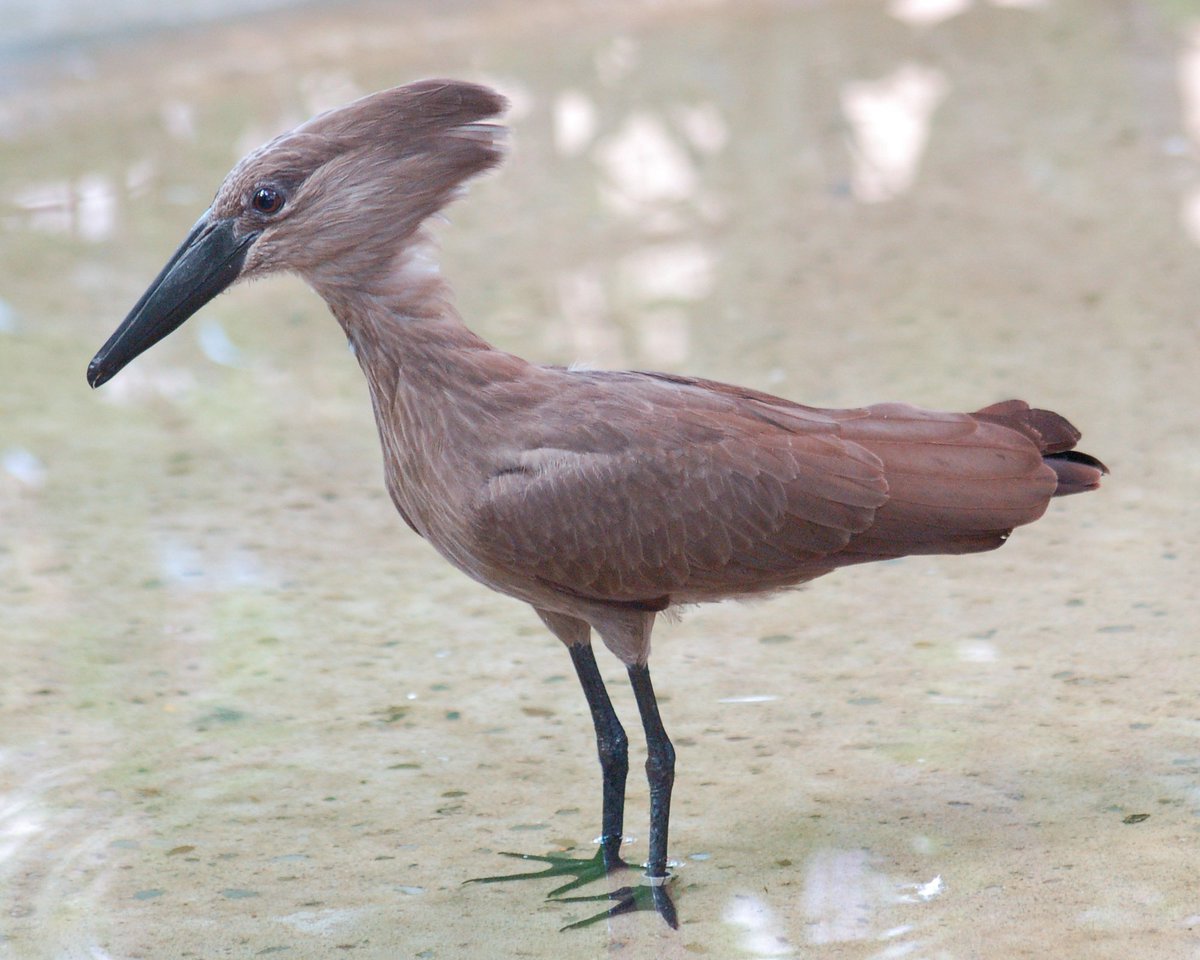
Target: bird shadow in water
[(651, 895)]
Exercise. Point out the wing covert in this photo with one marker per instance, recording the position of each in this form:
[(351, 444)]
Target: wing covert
[(707, 499)]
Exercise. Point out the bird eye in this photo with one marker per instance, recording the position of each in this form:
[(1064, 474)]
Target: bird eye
[(267, 200)]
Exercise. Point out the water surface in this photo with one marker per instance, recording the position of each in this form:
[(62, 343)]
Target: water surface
[(245, 712)]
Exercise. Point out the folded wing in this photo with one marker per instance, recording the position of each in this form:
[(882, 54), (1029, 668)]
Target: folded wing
[(674, 490)]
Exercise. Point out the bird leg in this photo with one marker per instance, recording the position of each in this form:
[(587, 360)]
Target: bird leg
[(660, 769), (612, 745), (613, 748), (660, 773)]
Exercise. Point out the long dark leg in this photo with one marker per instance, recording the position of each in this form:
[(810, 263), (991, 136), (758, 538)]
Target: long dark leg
[(660, 769), (660, 772), (613, 747)]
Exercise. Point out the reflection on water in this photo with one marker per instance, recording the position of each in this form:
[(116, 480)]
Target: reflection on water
[(216, 345), (23, 466), (645, 166), (245, 712), (761, 932), (574, 122), (19, 818), (678, 271), (1189, 95), (86, 208), (185, 564), (927, 13), (846, 899), (890, 120)]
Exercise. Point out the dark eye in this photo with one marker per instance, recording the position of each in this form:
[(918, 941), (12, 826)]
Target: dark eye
[(267, 200)]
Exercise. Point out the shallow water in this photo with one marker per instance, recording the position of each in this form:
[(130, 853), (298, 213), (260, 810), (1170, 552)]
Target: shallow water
[(246, 712)]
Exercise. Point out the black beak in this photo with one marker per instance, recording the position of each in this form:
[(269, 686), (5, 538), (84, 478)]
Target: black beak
[(207, 262)]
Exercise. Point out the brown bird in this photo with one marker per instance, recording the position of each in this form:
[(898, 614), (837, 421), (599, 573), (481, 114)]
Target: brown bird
[(600, 498)]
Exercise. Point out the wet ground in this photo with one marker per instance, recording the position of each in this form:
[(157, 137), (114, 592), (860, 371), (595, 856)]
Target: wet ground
[(245, 712)]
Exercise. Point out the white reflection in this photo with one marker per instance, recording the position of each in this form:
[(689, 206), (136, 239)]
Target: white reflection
[(934, 888), (87, 208), (680, 271), (323, 922), (1188, 73), (179, 119), (8, 318), (846, 899), (920, 843), (179, 562), (1189, 82), (890, 121), (139, 177), (20, 818), (977, 651), (185, 564), (1190, 213), (216, 345), (842, 895), (96, 209), (574, 122), (750, 698), (47, 206), (645, 165), (762, 935), (926, 12), (24, 467), (704, 126)]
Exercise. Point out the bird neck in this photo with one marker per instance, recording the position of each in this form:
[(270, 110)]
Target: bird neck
[(401, 323), (418, 364), (436, 387)]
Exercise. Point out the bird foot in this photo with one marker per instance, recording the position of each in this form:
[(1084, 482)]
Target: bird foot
[(583, 869), (651, 894)]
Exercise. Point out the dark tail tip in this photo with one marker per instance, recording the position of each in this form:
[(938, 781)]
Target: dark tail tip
[(1055, 436), (1077, 472)]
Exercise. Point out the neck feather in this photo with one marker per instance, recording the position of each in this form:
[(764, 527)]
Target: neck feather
[(406, 334), (438, 390), (407, 284)]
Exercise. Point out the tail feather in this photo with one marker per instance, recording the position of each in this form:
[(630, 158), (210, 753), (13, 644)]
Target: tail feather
[(960, 483), (1055, 437), (1077, 472)]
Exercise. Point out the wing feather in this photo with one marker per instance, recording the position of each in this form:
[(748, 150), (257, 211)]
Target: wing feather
[(648, 489), (700, 498)]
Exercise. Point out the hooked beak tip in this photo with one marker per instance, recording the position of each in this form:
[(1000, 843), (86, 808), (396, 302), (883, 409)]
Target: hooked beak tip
[(96, 375)]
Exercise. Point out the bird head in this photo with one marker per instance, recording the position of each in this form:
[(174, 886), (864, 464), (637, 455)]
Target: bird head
[(334, 200)]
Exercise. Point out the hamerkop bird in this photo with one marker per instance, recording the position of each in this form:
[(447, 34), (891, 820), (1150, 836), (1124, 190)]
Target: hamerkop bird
[(600, 498)]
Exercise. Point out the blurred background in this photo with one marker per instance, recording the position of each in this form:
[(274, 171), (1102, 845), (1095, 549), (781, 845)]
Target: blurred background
[(244, 711)]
